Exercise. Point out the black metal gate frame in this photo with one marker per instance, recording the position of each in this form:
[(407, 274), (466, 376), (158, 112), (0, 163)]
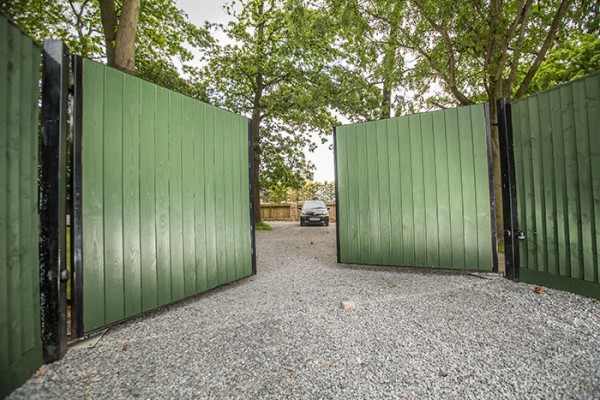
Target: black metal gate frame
[(512, 233), (52, 201)]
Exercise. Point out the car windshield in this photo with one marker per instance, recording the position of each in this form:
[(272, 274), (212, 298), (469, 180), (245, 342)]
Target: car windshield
[(313, 204)]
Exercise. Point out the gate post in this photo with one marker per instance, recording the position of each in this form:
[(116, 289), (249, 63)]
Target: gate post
[(76, 206), (512, 235), (53, 189), (337, 198)]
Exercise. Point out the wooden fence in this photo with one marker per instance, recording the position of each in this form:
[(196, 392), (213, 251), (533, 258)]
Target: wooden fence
[(288, 211)]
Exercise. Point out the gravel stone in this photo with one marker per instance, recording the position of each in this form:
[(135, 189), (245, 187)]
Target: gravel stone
[(418, 334)]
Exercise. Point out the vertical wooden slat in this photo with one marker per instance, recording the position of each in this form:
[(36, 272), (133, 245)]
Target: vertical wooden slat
[(132, 278), (175, 197), (592, 85), (418, 190), (538, 205), (363, 195), (220, 199), (5, 78), (352, 252), (482, 191), (113, 196), (571, 171), (406, 198), (229, 244), (148, 214), (468, 187), (559, 165), (188, 193), (383, 174), (13, 148), (584, 174), (457, 243), (373, 220), (199, 196), (526, 199), (549, 190), (341, 168), (210, 196), (28, 182), (395, 190), (163, 242), (431, 222), (92, 197), (442, 189)]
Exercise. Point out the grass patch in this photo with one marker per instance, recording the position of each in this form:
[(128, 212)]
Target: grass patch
[(262, 226)]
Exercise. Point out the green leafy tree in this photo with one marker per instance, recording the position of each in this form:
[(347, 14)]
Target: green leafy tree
[(163, 35), (478, 51), (276, 71), (574, 58), (373, 58)]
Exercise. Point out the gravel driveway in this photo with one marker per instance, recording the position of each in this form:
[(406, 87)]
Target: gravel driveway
[(281, 334)]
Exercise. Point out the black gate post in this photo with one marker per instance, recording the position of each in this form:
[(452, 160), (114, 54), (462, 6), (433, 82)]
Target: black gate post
[(76, 210), (53, 189), (252, 205), (512, 235), (337, 198)]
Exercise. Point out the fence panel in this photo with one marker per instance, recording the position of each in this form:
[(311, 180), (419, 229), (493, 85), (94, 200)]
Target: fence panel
[(557, 168), (20, 336), (415, 191), (165, 209)]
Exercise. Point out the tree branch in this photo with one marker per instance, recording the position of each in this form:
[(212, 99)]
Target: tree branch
[(560, 13), (108, 15), (451, 81), (524, 8)]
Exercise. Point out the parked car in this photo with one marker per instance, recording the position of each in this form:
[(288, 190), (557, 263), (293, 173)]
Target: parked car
[(314, 212)]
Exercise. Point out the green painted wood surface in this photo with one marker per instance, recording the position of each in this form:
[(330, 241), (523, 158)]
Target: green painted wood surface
[(414, 191), (557, 164), (20, 337), (165, 199)]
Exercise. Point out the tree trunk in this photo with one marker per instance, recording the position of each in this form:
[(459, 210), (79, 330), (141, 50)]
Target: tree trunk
[(256, 153), (108, 14), (386, 103), (125, 44), (120, 33), (256, 118), (496, 169), (389, 66)]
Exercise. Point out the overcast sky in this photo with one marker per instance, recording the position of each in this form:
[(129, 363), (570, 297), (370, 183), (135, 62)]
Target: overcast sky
[(200, 11)]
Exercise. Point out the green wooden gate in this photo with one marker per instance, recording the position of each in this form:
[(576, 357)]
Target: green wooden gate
[(164, 208), (415, 191), (20, 336), (556, 142)]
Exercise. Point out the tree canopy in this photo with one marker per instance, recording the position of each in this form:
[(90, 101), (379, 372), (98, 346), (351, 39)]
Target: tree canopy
[(164, 36), (298, 67), (276, 71)]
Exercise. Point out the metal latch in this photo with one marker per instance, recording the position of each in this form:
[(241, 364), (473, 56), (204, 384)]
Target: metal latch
[(520, 234), (64, 275)]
